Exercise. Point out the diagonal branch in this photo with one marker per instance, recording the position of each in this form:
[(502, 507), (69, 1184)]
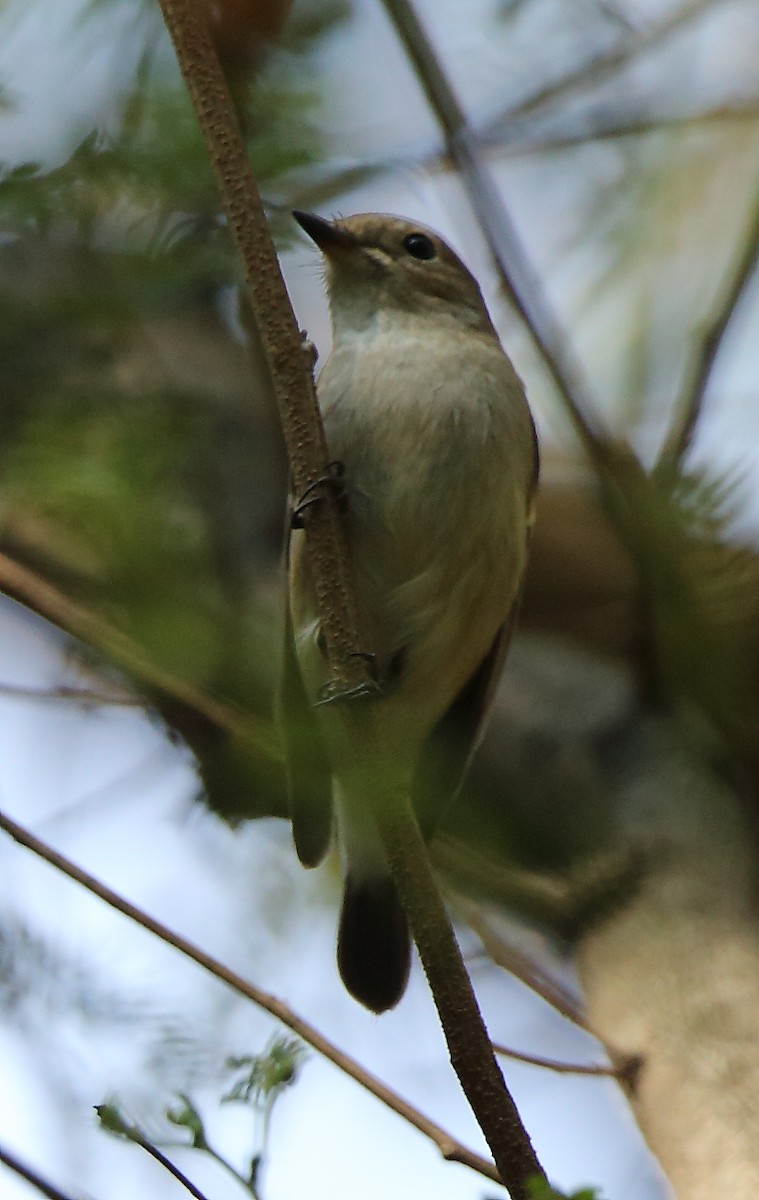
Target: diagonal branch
[(43, 598), (608, 125), (449, 1147), (689, 406), (197, 716), (15, 1164), (600, 68), (112, 1121), (515, 272)]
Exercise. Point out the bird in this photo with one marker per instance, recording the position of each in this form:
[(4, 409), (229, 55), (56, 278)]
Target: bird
[(437, 466)]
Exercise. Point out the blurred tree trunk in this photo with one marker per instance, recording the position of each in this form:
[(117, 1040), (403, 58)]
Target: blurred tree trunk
[(653, 846), (672, 974)]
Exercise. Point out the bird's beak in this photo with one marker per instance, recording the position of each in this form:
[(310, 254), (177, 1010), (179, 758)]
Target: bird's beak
[(327, 236)]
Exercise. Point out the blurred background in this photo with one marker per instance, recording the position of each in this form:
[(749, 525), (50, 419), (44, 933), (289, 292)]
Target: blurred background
[(596, 159)]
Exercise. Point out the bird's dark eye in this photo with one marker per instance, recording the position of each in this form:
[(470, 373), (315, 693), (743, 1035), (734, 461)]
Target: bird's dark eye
[(419, 246)]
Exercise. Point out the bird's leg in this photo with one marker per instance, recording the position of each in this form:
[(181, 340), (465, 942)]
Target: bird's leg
[(333, 693), (329, 485)]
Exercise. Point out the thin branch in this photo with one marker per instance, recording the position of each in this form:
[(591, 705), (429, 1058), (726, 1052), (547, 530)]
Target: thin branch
[(283, 346), (689, 406), (564, 1068), (449, 1147), (168, 1165), (23, 584), (76, 695), (14, 1164), (625, 1067), (515, 272), (605, 127), (601, 67), (521, 966)]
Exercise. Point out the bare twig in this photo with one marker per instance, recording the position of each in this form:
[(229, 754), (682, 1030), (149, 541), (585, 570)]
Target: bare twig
[(14, 1164), (591, 73), (76, 695), (624, 1068), (605, 125), (564, 1068), (514, 270), (449, 1147), (169, 1166), (468, 1043), (520, 965), (690, 404), (28, 587), (141, 1141)]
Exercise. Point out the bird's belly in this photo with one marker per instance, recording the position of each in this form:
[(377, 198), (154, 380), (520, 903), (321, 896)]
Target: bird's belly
[(434, 594)]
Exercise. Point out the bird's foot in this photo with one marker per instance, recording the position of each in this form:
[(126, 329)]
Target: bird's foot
[(330, 485), (369, 689)]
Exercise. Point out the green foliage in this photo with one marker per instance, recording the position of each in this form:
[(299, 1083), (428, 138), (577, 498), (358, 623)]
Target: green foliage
[(113, 479), (187, 1117), (263, 1080), (699, 591), (113, 1121)]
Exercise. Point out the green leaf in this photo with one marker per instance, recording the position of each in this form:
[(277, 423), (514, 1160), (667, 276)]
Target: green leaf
[(112, 1120), (267, 1075), (188, 1117)]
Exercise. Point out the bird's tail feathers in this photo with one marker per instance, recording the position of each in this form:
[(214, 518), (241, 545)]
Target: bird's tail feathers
[(373, 945)]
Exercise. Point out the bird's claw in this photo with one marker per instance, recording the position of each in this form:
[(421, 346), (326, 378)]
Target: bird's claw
[(330, 484), (333, 692)]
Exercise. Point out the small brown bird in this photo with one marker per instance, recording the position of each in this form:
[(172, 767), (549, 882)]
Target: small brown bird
[(427, 416)]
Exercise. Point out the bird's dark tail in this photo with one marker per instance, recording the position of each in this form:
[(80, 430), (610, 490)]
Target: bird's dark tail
[(373, 946)]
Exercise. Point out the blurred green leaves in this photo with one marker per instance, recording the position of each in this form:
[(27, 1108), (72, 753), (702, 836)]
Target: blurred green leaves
[(263, 1080), (140, 468)]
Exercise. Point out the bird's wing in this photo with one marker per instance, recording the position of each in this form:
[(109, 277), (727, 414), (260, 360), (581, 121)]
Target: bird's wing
[(449, 747), (307, 771)]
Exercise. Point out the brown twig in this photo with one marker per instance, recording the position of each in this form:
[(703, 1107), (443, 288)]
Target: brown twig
[(561, 1068), (625, 1067), (449, 1147), (121, 1128), (14, 1164), (74, 695), (467, 1039), (28, 587), (606, 126), (599, 68), (514, 270), (281, 340), (689, 407), (520, 965), (169, 1166)]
